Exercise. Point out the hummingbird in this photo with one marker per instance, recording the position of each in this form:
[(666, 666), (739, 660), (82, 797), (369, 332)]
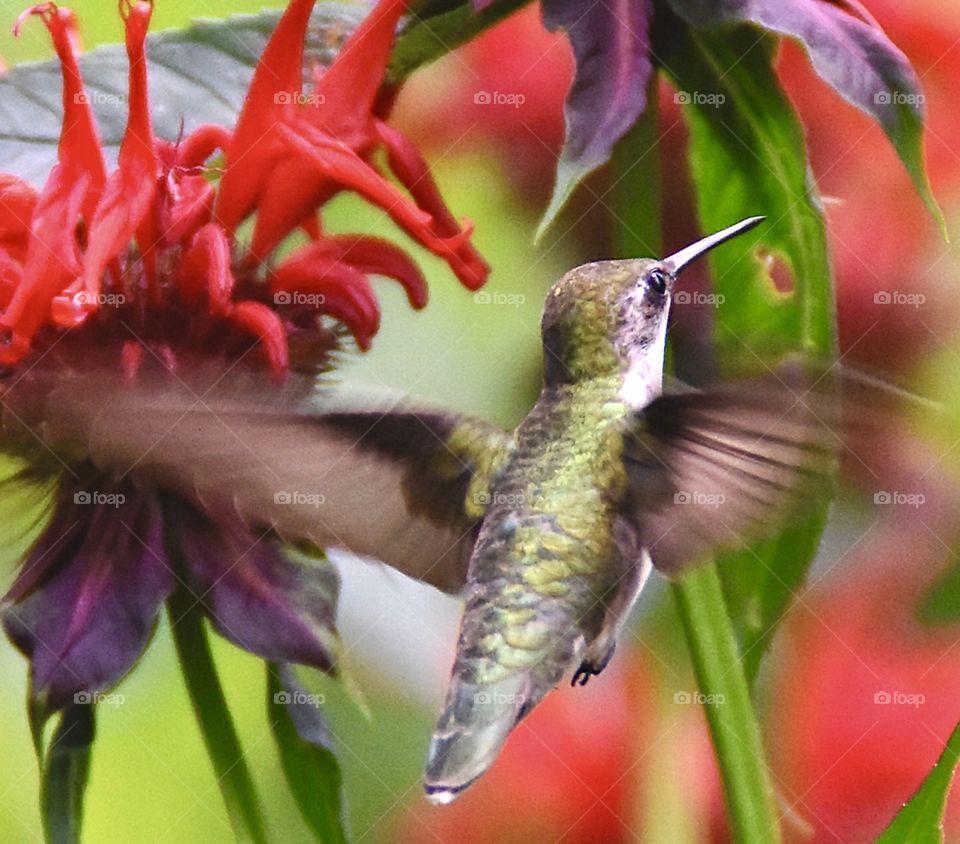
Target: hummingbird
[(549, 530)]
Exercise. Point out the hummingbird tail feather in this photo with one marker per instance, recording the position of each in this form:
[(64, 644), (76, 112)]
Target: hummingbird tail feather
[(472, 729)]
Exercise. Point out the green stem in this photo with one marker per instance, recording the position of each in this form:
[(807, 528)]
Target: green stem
[(213, 716), (735, 733), (749, 795)]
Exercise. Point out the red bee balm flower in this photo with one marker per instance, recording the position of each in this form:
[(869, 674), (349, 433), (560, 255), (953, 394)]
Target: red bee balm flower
[(65, 250), (139, 275)]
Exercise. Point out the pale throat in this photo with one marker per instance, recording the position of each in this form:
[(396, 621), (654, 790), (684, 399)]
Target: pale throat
[(643, 376)]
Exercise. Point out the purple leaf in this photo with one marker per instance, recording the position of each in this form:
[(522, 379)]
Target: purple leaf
[(85, 602), (611, 46), (269, 600), (851, 53)]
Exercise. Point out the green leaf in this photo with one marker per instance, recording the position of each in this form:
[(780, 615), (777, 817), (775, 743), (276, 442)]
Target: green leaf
[(213, 717), (853, 55), (940, 604), (920, 821), (748, 157), (751, 809), (65, 769), (308, 761)]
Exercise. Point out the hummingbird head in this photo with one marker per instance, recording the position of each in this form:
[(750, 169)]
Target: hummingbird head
[(611, 316)]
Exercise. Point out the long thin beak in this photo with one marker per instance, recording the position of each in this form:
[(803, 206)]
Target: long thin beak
[(678, 260)]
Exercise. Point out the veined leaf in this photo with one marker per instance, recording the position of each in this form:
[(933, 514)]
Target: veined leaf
[(851, 53), (611, 46), (920, 821), (748, 157)]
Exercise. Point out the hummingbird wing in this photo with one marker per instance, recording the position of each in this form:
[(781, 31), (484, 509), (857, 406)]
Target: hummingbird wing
[(318, 465), (723, 467)]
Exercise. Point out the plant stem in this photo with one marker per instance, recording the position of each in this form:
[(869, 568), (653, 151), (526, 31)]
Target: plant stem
[(751, 809)]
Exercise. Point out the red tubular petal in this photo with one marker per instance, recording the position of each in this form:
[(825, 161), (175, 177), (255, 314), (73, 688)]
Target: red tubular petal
[(347, 294), (347, 89), (250, 153), (205, 267), (339, 164), (130, 191), (17, 201), (264, 324), (200, 144), (412, 171), (192, 209), (380, 257)]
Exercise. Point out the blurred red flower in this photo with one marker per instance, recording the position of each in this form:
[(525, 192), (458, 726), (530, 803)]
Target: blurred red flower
[(66, 251), (864, 698)]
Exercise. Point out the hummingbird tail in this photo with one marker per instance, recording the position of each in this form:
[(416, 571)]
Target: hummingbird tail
[(472, 729)]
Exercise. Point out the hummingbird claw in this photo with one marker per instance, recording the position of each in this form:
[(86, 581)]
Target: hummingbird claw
[(591, 668)]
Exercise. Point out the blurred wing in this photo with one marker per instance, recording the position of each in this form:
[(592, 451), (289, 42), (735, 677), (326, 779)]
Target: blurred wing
[(724, 467), (382, 481)]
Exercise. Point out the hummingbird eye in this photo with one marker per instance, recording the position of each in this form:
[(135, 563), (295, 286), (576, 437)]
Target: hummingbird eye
[(657, 281)]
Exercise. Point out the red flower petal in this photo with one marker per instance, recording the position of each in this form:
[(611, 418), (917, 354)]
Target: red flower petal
[(412, 171), (264, 324), (346, 91), (347, 294), (377, 256), (205, 268), (251, 152), (129, 194), (73, 187)]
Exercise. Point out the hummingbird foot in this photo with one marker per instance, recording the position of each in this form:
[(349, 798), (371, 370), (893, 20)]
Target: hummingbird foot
[(592, 667)]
